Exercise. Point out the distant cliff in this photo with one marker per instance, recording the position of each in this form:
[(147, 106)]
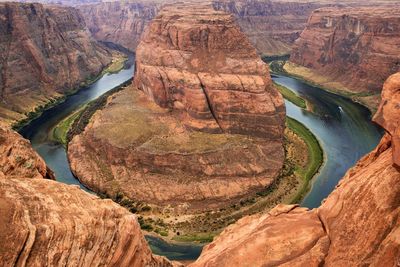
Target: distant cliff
[(271, 26), (119, 22), (353, 49), (45, 51)]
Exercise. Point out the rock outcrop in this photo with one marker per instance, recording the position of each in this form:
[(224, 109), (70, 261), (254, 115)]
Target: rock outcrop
[(46, 223), (271, 26), (204, 130), (45, 51), (119, 22), (357, 225), (353, 49), (205, 66), (18, 159)]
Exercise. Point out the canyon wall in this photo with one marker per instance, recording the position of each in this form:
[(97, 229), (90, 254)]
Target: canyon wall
[(45, 51), (353, 49), (119, 22), (205, 127), (271, 26), (357, 225), (46, 223)]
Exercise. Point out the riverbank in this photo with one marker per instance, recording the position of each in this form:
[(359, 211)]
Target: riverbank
[(312, 78), (117, 64), (202, 227)]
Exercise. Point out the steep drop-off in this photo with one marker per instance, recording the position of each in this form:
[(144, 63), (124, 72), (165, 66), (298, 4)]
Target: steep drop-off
[(46, 223), (350, 50), (119, 22), (357, 225), (45, 51), (196, 135), (271, 26)]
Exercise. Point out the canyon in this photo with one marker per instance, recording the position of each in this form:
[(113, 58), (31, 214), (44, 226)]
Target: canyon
[(188, 152), (46, 51), (349, 50), (357, 225)]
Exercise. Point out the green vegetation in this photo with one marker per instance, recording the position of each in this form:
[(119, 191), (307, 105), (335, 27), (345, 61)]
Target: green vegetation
[(116, 65), (291, 96), (315, 156), (198, 238), (60, 132), (268, 59)]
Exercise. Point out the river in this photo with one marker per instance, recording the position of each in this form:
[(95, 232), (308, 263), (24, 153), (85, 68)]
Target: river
[(343, 128)]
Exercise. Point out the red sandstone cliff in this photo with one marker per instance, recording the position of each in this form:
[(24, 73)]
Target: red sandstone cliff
[(46, 223), (206, 128), (119, 22), (354, 48), (357, 225), (45, 51), (271, 26)]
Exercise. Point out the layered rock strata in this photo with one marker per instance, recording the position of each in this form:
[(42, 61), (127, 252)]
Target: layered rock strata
[(271, 26), (205, 128), (45, 51), (18, 159), (353, 49), (46, 223), (120, 22), (357, 225)]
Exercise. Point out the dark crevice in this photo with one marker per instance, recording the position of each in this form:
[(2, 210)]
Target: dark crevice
[(210, 107)]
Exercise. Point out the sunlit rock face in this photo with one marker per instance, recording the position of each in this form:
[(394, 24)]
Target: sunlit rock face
[(357, 225), (202, 125)]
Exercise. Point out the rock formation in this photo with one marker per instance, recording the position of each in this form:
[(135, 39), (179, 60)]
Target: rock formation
[(119, 22), (206, 127), (46, 223), (18, 159), (45, 51), (353, 49), (357, 225), (208, 68), (271, 26)]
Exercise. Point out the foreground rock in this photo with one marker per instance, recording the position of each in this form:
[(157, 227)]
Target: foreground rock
[(45, 51), (357, 225), (18, 159), (46, 223), (197, 136), (350, 50)]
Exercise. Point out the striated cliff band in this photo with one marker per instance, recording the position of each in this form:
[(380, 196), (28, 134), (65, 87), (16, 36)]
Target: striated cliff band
[(120, 22), (201, 127), (271, 26), (47, 223), (45, 51), (357, 225), (349, 50)]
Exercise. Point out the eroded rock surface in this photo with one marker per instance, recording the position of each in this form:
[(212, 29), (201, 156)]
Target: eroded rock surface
[(46, 223), (18, 159), (120, 22), (355, 49), (45, 51), (357, 225), (195, 59), (205, 128), (271, 26)]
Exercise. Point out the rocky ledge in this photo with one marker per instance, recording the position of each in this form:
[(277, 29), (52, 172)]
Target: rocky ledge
[(357, 225), (205, 128), (350, 50)]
